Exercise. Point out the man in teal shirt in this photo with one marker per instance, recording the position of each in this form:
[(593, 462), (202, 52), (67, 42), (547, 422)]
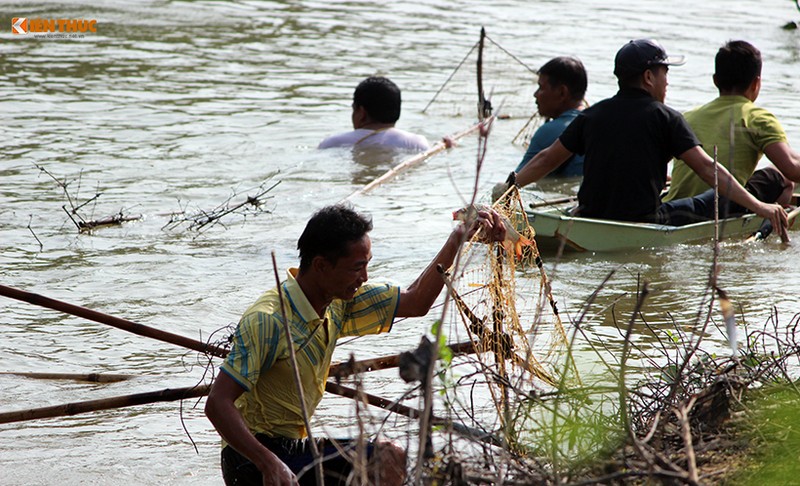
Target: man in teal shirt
[(741, 131), (559, 97)]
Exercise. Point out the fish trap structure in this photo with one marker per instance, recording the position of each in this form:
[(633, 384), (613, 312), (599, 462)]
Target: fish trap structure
[(502, 83), (501, 301)]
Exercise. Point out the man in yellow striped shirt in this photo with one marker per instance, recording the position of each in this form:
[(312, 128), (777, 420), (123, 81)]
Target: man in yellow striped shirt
[(254, 404)]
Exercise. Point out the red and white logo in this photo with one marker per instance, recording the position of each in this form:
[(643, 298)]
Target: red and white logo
[(19, 25)]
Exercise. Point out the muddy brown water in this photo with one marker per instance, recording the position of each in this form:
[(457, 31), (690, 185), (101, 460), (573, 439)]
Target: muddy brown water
[(173, 105)]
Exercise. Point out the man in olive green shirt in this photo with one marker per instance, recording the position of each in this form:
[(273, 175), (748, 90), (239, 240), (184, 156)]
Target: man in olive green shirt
[(741, 131)]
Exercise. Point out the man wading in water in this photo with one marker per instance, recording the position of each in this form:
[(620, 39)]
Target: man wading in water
[(254, 404), (376, 109)]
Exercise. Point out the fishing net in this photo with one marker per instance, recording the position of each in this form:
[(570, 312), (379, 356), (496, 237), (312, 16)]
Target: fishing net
[(502, 297), (504, 81)]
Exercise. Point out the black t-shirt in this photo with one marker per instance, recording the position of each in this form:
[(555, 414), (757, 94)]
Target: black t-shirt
[(627, 141)]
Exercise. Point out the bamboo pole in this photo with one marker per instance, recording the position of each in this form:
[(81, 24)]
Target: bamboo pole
[(411, 412), (341, 370), (117, 322), (166, 395), (92, 377), (172, 394)]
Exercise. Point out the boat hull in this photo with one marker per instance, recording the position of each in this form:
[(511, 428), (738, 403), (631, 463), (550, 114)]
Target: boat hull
[(555, 228)]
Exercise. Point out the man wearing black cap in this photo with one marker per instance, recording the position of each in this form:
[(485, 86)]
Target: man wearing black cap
[(628, 140)]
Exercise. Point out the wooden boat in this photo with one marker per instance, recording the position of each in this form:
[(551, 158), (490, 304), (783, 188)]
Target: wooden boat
[(555, 227)]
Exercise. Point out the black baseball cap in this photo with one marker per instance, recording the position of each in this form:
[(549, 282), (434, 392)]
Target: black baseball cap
[(638, 55)]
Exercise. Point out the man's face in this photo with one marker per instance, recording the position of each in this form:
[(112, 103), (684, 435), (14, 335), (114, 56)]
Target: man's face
[(548, 98), (343, 279), (659, 84)]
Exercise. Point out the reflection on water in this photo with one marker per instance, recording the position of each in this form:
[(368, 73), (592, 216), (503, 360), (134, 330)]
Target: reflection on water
[(174, 104), (372, 161)]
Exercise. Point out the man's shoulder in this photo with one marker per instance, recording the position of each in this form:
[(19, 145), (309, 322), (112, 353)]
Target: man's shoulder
[(754, 111), (370, 292), (392, 137), (267, 305), (343, 139), (366, 296), (717, 104), (562, 120), (400, 138)]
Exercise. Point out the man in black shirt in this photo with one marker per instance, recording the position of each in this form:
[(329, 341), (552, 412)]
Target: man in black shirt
[(629, 139)]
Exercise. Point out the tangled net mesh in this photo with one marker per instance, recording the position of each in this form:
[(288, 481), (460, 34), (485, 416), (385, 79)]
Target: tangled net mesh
[(502, 300)]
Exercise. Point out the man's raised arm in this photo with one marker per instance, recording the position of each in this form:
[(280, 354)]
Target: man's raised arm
[(543, 163)]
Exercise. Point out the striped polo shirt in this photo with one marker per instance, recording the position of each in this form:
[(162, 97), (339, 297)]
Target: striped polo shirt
[(259, 357)]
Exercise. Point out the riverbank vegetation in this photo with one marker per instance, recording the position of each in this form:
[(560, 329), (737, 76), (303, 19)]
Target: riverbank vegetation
[(691, 417)]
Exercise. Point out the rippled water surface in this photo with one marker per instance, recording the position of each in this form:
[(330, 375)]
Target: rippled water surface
[(180, 105)]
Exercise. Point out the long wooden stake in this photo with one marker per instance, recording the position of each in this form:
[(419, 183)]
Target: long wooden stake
[(167, 395), (482, 104), (172, 394), (199, 391), (341, 370), (414, 160), (117, 322)]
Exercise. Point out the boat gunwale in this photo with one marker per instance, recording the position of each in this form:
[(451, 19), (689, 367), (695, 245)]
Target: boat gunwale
[(646, 235), (554, 213)]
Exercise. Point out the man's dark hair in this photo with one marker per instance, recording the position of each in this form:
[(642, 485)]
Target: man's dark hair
[(328, 233), (567, 71), (737, 64), (380, 97)]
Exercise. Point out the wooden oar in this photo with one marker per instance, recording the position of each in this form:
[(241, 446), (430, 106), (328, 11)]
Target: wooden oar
[(766, 227), (117, 322), (416, 159)]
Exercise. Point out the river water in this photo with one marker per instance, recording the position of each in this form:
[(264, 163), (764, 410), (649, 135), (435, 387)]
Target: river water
[(175, 105)]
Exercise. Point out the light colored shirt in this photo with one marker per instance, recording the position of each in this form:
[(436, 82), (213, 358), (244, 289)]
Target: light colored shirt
[(259, 358), (390, 137), (754, 129)]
